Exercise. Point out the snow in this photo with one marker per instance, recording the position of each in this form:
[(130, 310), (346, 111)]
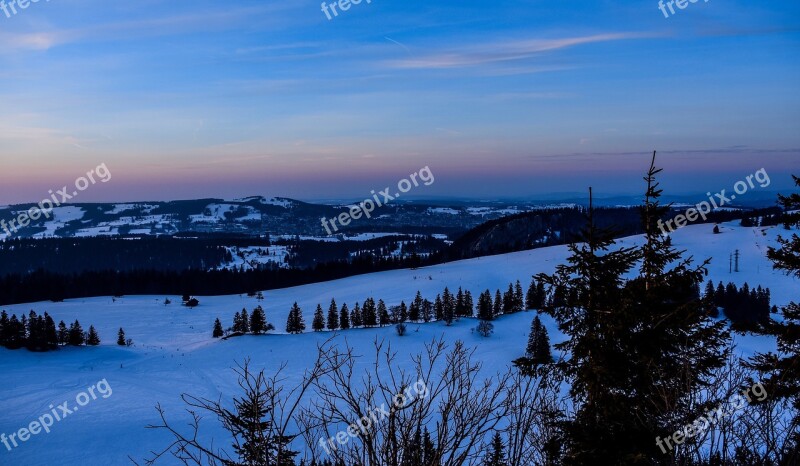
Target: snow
[(174, 352), (60, 217)]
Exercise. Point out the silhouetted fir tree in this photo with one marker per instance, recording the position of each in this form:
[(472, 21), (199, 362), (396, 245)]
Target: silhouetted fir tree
[(218, 332), (333, 316), (539, 343), (782, 369), (295, 323), (121, 337), (403, 314), (448, 304), (318, 324), (51, 335), (519, 297), (508, 300), (369, 313), (427, 310), (459, 311), (412, 453), (430, 457), (469, 305), (485, 311), (356, 318), (530, 296), (497, 308), (76, 337), (383, 314), (92, 339), (258, 321), (438, 308), (415, 309), (497, 455), (245, 322), (237, 323), (344, 317), (63, 333)]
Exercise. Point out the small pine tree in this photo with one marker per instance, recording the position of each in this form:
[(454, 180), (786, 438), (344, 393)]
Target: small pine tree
[(485, 306), (63, 333), (295, 323), (519, 298), (333, 316), (217, 329), (356, 317), (427, 310), (121, 337), (76, 337), (383, 314), (93, 339), (344, 317), (245, 322), (497, 455), (318, 324), (438, 308), (498, 304), (258, 321), (469, 305)]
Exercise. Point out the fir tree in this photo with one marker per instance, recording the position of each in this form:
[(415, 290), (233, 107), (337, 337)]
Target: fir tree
[(498, 304), (51, 334), (469, 305), (519, 298), (76, 336), (218, 332), (63, 333), (485, 311), (121, 337), (369, 313), (415, 309), (258, 321), (538, 350), (344, 317), (782, 369), (295, 323), (244, 323), (427, 310), (237, 323), (356, 319), (333, 316), (318, 324), (383, 314), (497, 456), (93, 339), (438, 308)]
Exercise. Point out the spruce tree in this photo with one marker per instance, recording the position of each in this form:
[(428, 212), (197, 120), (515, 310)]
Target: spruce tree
[(438, 308), (782, 369), (4, 328), (218, 332), (51, 334), (245, 322), (76, 336), (63, 333), (93, 339), (369, 313), (383, 314), (333, 316), (258, 321), (485, 311), (427, 310), (121, 337), (496, 456), (415, 309), (237, 323), (295, 323), (469, 305), (356, 317), (498, 304), (519, 298), (344, 317), (318, 324), (530, 296)]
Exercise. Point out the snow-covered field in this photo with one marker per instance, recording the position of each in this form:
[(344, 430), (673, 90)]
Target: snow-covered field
[(174, 352)]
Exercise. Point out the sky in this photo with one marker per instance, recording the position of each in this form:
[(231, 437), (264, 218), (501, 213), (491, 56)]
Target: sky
[(196, 99)]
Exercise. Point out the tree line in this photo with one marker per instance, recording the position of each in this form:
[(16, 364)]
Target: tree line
[(39, 333)]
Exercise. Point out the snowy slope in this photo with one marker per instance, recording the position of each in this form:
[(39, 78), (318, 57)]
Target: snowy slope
[(174, 353)]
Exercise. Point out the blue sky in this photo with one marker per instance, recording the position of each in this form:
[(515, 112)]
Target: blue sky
[(196, 99)]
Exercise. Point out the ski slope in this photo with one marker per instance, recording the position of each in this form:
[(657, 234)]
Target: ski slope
[(174, 352)]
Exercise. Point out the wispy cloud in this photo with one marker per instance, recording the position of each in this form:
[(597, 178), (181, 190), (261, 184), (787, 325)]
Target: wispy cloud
[(506, 51)]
